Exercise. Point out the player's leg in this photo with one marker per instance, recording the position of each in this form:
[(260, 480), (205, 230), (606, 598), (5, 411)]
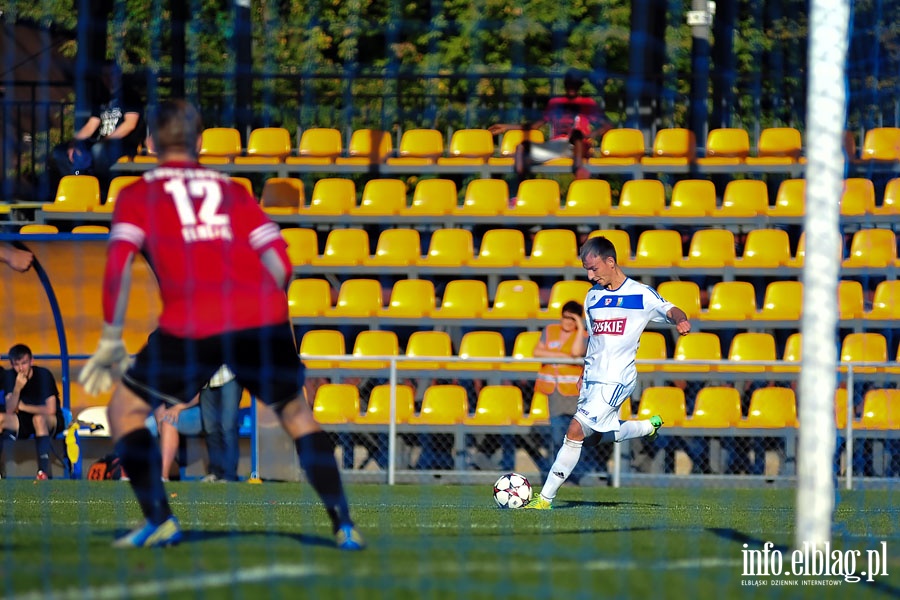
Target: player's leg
[(168, 441), (566, 459), (9, 428), (43, 426)]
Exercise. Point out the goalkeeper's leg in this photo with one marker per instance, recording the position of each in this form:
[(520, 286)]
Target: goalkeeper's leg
[(139, 453)]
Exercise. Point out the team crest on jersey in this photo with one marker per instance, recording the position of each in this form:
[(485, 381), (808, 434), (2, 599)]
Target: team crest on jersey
[(608, 327)]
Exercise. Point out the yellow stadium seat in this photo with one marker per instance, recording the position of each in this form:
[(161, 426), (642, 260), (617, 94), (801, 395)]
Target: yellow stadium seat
[(858, 197), (523, 348), (34, 228), (766, 248), (771, 407), (419, 147), (674, 146), (840, 409), (410, 298), (303, 244), (886, 302), (881, 410), (641, 198), (497, 405), (90, 229), (683, 294), (282, 195), (752, 346), (797, 261), (331, 196), (479, 344), (383, 197), (309, 297), (431, 344), (790, 201), (552, 248), (75, 193), (563, 291), (881, 143), (219, 145), (667, 402), (515, 299), (716, 408), (587, 198), (652, 346), (744, 198), (539, 411), (433, 197), (731, 301), (485, 198), (396, 248), (266, 145), (872, 248), (449, 248), (344, 247), (657, 248), (851, 302), (511, 140), (469, 147), (863, 348), (500, 248), (321, 342), (700, 345), (373, 343), (463, 299), (115, 186), (710, 248), (783, 301), (358, 298), (536, 198), (620, 240), (336, 403), (726, 146), (890, 201), (318, 146), (443, 405), (246, 183), (378, 409), (620, 146), (790, 358), (367, 147), (777, 146), (692, 198)]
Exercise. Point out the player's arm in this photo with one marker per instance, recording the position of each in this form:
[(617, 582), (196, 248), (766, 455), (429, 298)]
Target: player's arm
[(677, 316), (128, 124), (265, 238), (48, 408), (88, 129)]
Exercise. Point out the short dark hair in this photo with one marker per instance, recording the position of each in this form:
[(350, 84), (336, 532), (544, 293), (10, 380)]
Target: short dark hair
[(598, 246), (573, 79), (19, 351), (573, 307), (175, 125)]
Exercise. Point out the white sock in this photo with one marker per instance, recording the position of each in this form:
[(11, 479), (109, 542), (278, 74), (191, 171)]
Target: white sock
[(633, 429), (566, 459)]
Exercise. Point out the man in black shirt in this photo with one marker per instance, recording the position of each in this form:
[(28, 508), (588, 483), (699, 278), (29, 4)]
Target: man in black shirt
[(31, 406)]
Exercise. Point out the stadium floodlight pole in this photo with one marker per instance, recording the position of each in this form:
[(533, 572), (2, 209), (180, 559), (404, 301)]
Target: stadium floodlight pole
[(826, 110)]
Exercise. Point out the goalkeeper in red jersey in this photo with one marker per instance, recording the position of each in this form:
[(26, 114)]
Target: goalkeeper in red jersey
[(222, 269)]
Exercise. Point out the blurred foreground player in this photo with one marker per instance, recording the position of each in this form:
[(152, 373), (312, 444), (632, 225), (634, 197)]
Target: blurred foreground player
[(222, 269)]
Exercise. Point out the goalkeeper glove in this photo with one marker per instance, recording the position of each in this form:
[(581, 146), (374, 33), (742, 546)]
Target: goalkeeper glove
[(107, 364)]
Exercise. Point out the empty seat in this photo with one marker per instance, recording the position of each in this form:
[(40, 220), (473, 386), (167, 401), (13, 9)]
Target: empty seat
[(751, 346), (790, 358), (886, 302), (449, 248), (777, 146), (851, 302), (443, 405), (219, 145), (309, 298), (744, 198), (726, 146), (536, 198), (357, 298), (332, 196), (771, 407), (432, 344), (479, 344), (620, 146), (790, 201), (383, 197), (872, 248), (564, 291), (539, 413), (367, 147), (321, 342), (552, 248), (115, 186), (282, 195), (497, 405), (90, 229), (336, 403), (373, 343), (378, 409), (500, 248), (667, 402), (766, 248), (692, 198), (683, 294), (657, 248), (33, 228), (863, 348), (463, 299), (699, 346), (515, 299), (731, 301), (302, 244), (266, 145), (469, 147), (396, 248), (433, 197), (410, 299), (716, 407), (318, 146), (652, 346), (620, 240), (75, 193), (673, 146), (419, 147), (710, 248), (881, 143), (641, 198), (840, 409), (485, 198), (783, 301), (344, 247), (523, 348), (881, 410), (890, 201), (587, 198), (858, 197)]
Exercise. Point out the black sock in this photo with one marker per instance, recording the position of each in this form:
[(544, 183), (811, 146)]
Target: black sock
[(140, 458), (7, 435), (317, 460), (42, 443)]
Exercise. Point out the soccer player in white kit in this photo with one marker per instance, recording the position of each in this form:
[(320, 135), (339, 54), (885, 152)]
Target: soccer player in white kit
[(617, 310)]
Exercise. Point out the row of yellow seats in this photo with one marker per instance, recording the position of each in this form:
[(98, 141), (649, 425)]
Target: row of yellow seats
[(487, 345), (520, 299), (715, 407)]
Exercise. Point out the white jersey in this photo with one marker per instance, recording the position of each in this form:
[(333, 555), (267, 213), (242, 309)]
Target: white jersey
[(615, 321)]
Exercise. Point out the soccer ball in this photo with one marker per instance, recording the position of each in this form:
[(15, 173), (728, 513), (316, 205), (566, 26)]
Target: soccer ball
[(512, 491)]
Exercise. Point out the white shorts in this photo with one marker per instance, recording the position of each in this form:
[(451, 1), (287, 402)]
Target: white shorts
[(598, 404), (549, 150)]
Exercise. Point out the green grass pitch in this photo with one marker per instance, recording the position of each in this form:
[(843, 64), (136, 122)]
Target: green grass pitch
[(426, 541)]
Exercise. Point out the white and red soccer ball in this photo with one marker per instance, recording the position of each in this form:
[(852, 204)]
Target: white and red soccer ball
[(512, 491)]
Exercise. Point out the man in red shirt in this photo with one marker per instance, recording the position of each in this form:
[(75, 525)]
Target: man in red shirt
[(222, 269), (573, 119)]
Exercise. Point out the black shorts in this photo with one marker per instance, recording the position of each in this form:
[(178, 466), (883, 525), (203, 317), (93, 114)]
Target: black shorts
[(172, 369), (26, 425)]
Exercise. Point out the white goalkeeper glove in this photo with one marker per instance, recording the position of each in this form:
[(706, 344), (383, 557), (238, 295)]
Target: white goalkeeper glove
[(107, 364)]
